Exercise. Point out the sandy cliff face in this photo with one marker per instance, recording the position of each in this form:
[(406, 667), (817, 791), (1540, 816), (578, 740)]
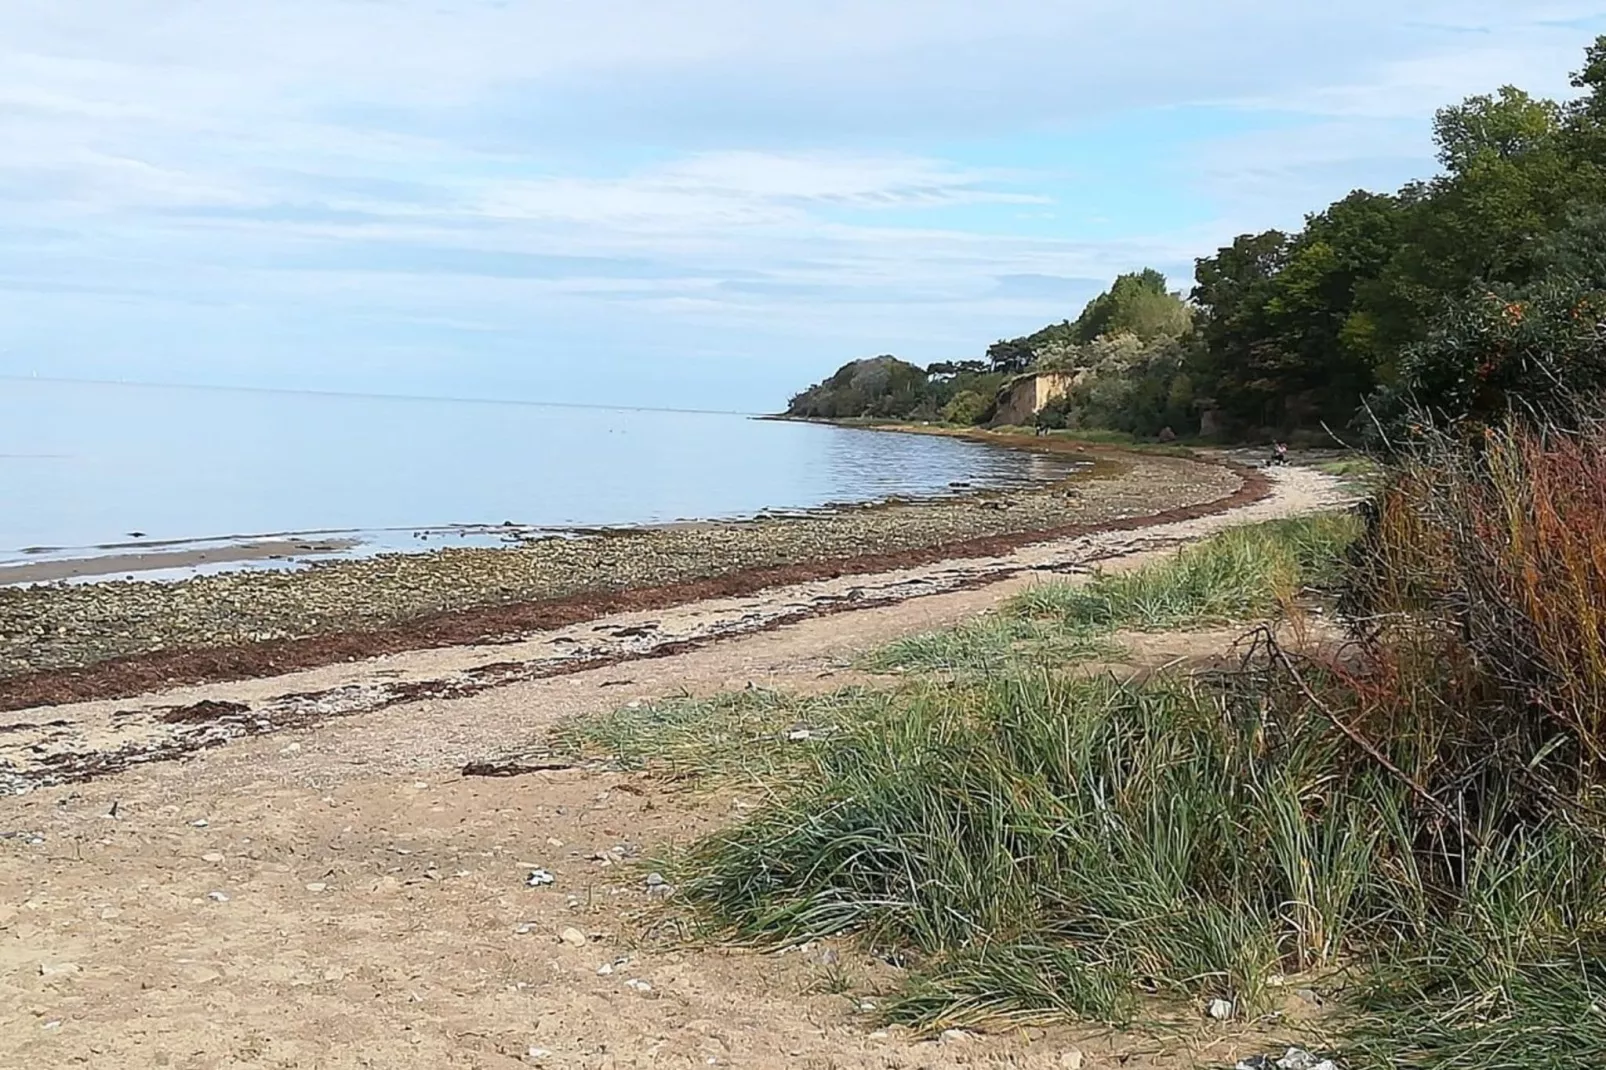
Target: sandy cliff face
[(1023, 399)]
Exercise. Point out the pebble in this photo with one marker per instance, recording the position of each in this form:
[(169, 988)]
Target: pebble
[(538, 877), (197, 974), (535, 1055), (1071, 1060), (1220, 1009), (1292, 1059), (573, 937), (953, 1036), (59, 969), (198, 823), (638, 985), (217, 897), (212, 856), (317, 886), (110, 914)]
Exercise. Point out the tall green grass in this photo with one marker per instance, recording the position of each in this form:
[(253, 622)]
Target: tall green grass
[(1045, 845), (1051, 846), (1241, 574), (1060, 844)]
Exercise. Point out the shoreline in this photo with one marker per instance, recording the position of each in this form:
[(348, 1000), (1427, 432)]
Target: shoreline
[(187, 558), (70, 643), (108, 566)]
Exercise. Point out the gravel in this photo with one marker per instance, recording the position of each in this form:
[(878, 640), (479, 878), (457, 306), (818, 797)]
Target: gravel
[(67, 626)]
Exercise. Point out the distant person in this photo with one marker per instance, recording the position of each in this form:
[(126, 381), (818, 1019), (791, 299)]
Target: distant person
[(1279, 453)]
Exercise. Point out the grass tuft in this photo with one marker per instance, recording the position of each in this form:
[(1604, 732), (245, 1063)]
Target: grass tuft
[(753, 736), (1242, 574), (1239, 575)]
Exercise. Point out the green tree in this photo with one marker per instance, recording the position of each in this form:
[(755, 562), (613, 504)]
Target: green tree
[(1137, 304), (1236, 355), (967, 407)]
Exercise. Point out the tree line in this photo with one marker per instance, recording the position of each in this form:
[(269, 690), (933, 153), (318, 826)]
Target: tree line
[(1459, 295)]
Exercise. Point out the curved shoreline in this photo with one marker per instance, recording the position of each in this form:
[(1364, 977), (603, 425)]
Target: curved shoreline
[(187, 558), (115, 640)]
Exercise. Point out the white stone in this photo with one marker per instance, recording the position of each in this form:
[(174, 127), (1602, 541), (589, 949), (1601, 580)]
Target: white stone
[(573, 937), (1220, 1009)]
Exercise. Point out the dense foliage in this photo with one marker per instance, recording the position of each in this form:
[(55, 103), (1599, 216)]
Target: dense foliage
[(887, 388), (1478, 289)]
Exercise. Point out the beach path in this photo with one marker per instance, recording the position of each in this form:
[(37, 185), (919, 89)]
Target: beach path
[(294, 870)]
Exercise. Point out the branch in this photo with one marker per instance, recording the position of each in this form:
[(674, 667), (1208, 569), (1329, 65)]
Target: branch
[(1371, 749)]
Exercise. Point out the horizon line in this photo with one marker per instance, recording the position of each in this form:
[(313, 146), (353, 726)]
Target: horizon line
[(371, 395)]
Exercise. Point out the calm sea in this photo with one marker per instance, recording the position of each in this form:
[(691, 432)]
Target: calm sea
[(87, 465)]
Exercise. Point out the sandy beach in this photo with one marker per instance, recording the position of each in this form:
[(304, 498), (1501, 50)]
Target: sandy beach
[(309, 868)]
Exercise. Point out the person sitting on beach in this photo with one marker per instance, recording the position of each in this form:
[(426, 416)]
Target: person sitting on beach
[(1279, 453)]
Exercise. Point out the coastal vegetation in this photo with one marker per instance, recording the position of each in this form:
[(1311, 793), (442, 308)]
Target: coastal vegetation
[(1399, 828), (1458, 296)]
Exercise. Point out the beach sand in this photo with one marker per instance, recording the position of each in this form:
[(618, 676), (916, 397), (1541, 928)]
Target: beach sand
[(294, 870)]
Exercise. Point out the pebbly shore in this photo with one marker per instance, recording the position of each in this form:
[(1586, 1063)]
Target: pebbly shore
[(71, 626)]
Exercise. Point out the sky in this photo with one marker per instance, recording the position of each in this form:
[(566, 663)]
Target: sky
[(704, 203)]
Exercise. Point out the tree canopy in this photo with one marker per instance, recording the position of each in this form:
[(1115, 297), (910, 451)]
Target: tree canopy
[(1477, 289)]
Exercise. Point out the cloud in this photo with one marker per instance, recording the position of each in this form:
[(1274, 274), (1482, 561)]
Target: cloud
[(284, 189)]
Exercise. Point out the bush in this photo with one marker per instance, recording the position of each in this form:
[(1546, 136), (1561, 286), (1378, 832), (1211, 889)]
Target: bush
[(1494, 354), (1485, 568), (967, 407), (1420, 813)]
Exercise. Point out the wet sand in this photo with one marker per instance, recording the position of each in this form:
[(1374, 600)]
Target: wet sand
[(132, 561)]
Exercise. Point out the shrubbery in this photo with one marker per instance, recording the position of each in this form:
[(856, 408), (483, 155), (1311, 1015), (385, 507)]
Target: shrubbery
[(1414, 822)]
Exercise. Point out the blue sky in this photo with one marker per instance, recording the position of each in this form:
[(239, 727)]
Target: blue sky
[(707, 203)]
